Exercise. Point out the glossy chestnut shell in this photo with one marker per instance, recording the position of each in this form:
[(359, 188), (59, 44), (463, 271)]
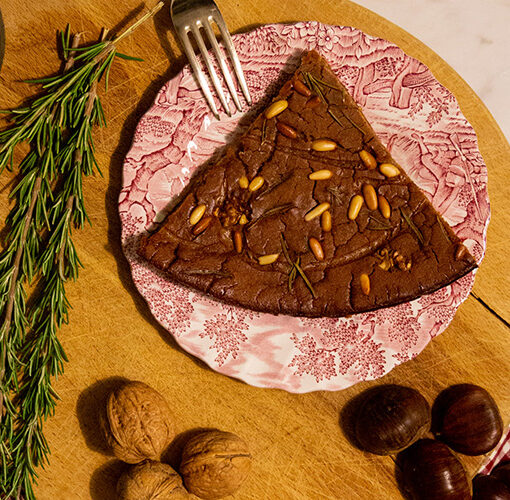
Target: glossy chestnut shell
[(489, 488), (467, 419), (428, 470), (502, 472), (390, 418)]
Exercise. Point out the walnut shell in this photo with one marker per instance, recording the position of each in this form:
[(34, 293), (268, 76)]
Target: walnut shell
[(215, 464), (137, 423), (151, 481)]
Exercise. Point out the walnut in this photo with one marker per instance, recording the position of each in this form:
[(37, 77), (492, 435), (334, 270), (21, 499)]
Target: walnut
[(215, 464), (137, 422), (231, 212), (151, 481)]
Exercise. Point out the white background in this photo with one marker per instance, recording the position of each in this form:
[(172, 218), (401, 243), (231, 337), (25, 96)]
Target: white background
[(472, 36)]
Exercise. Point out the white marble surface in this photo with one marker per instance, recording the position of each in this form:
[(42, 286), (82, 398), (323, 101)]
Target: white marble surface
[(473, 36)]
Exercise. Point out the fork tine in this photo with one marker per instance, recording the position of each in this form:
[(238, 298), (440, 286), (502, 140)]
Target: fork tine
[(218, 19), (223, 63), (199, 74), (212, 72)]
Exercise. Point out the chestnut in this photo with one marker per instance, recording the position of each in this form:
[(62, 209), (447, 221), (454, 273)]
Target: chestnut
[(467, 419), (502, 472), (390, 418), (489, 488), (430, 471)]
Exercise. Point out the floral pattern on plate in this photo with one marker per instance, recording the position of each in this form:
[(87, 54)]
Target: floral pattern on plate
[(416, 117)]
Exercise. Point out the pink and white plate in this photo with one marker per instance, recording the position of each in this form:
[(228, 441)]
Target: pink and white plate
[(415, 116)]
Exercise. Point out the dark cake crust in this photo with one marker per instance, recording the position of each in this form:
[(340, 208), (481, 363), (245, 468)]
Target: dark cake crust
[(412, 253)]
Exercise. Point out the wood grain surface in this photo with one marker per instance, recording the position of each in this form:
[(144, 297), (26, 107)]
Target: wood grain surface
[(299, 447)]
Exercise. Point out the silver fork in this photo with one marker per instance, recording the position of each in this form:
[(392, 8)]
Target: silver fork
[(188, 17)]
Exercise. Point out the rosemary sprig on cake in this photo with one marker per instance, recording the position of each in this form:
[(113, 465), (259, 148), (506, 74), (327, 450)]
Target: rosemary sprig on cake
[(38, 252), (318, 85)]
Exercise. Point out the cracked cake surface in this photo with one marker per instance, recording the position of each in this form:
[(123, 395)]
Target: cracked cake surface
[(308, 214)]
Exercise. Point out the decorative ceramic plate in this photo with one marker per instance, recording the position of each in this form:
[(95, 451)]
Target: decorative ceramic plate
[(420, 122)]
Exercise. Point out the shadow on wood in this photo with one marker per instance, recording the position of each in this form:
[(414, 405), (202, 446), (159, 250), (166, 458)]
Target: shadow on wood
[(103, 481), (399, 478), (91, 402), (127, 20), (2, 40), (348, 416)]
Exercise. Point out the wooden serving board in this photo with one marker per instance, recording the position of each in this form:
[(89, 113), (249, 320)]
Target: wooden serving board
[(299, 448)]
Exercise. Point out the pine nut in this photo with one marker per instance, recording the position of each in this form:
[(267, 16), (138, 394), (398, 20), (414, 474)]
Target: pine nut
[(286, 130), (365, 283), (460, 252), (324, 145), (302, 88), (197, 213), (276, 108), (264, 260), (355, 207), (238, 241), (320, 175), (368, 159), (316, 248), (243, 182), (384, 207), (370, 196), (313, 102), (243, 220), (326, 221), (389, 170), (256, 183), (315, 212), (202, 225), (286, 87)]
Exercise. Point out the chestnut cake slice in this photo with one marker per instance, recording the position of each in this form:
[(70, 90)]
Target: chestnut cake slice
[(308, 214)]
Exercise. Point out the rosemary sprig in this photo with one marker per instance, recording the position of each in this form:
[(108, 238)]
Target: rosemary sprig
[(335, 194), (285, 249), (206, 272), (323, 83), (39, 249), (263, 132), (377, 225), (413, 227), (353, 123), (303, 275), (330, 113), (292, 275), (272, 187), (295, 268), (278, 210), (316, 84)]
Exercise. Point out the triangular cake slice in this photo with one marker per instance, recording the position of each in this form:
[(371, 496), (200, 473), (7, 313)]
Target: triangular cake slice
[(308, 214)]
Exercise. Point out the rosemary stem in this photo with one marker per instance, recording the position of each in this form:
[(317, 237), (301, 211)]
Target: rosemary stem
[(60, 257), (140, 21), (70, 59), (11, 295)]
